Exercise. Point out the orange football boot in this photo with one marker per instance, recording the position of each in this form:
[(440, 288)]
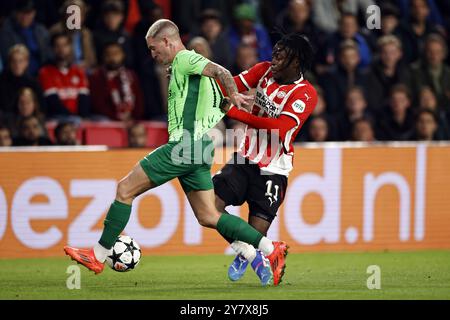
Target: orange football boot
[(86, 257), (278, 260)]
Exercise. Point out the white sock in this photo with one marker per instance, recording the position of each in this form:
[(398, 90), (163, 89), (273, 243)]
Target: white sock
[(266, 246), (244, 249), (101, 252)]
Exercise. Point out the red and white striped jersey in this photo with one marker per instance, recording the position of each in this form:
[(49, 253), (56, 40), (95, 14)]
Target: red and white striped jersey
[(296, 100)]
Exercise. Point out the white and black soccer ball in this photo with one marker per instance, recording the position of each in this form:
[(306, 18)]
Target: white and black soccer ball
[(125, 255)]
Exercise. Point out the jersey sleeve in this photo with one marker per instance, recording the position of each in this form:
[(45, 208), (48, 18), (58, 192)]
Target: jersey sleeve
[(300, 105), (190, 62), (249, 79), (282, 124)]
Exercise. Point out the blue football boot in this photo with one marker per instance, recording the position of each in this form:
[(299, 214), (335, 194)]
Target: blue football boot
[(237, 268), (262, 268)]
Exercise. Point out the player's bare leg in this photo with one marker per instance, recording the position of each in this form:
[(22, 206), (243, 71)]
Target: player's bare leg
[(202, 203), (132, 185)]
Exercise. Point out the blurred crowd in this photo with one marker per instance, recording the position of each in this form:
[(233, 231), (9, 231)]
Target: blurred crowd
[(381, 84)]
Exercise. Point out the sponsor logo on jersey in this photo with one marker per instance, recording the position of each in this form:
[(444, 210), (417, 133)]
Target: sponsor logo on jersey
[(298, 106), (263, 101)]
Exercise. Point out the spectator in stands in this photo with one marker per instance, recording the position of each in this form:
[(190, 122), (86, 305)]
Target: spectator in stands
[(296, 17), (82, 40), (397, 123), (111, 29), (15, 77), (363, 130), (137, 136), (418, 28), (247, 31), (318, 130), (431, 71), (321, 106), (28, 105), (21, 27), (31, 133), (5, 136), (246, 57), (66, 134), (328, 12), (346, 75), (152, 76), (385, 72), (390, 20), (65, 85), (118, 94), (201, 46), (355, 108), (391, 24), (348, 30), (428, 100), (186, 10), (426, 126), (212, 29)]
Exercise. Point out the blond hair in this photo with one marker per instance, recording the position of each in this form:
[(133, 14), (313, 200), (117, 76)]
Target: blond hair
[(18, 48), (163, 27), (389, 39)]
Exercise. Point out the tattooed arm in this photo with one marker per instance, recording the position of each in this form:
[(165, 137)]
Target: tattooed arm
[(221, 74)]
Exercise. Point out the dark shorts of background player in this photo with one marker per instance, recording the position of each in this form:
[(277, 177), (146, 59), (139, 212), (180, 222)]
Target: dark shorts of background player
[(239, 182)]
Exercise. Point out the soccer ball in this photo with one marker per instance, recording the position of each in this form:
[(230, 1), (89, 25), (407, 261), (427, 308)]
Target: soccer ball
[(125, 255)]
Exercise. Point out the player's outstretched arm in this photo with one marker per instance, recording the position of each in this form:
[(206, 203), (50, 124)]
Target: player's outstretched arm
[(221, 74), (280, 125)]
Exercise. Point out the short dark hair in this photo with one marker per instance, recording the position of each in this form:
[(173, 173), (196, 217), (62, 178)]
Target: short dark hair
[(402, 88), (55, 36), (111, 44), (24, 6), (297, 46), (4, 127), (61, 125), (366, 119), (112, 6), (389, 9), (22, 120), (210, 14), (421, 111)]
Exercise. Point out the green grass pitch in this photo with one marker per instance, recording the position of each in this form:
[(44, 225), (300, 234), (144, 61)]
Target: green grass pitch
[(404, 275)]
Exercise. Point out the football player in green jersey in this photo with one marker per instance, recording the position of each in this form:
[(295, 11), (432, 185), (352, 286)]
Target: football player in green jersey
[(193, 108)]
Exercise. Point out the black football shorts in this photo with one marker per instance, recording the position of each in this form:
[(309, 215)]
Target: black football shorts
[(239, 182)]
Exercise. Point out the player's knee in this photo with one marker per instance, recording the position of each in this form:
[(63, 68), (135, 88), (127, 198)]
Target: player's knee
[(220, 204), (207, 219), (123, 193)]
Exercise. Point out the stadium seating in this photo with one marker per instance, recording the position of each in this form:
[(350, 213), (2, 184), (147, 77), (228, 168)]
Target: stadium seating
[(105, 135), (114, 134)]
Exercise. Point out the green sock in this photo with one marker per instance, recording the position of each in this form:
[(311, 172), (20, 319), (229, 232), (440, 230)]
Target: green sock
[(232, 227), (228, 239), (115, 221)]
